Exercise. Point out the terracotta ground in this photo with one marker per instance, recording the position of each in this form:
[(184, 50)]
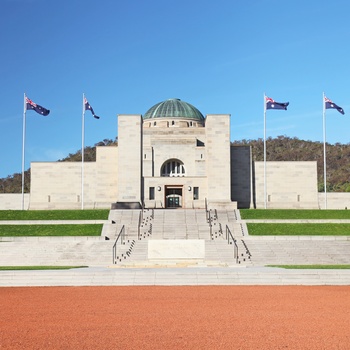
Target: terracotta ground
[(208, 317)]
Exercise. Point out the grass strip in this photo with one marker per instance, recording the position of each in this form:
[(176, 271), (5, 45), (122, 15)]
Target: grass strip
[(17, 268), (270, 229), (50, 230), (290, 214), (89, 214), (318, 267)]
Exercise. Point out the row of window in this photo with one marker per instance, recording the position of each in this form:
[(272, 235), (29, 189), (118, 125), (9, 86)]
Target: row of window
[(173, 168), (173, 123), (195, 193)]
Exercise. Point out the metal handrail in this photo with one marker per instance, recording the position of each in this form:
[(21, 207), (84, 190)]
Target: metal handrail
[(206, 210), (139, 225), (141, 218), (230, 238), (142, 208), (220, 228), (210, 224), (208, 217), (121, 235)]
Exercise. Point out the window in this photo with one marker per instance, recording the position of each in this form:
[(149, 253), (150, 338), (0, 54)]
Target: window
[(151, 193), (195, 193), (173, 167)]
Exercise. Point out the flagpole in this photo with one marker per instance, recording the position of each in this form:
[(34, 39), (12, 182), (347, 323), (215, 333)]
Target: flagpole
[(324, 153), (265, 190), (23, 146), (82, 155)]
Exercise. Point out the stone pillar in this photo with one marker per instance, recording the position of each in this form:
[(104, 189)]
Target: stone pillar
[(218, 158), (129, 160)]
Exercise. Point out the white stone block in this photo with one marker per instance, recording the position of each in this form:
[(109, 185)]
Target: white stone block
[(176, 249)]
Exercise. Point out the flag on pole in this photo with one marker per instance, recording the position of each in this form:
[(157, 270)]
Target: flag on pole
[(329, 104), (271, 104), (35, 107), (89, 108)]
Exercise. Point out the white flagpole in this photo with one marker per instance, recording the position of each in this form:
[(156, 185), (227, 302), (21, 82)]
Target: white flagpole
[(23, 146), (324, 153), (265, 190), (82, 154)]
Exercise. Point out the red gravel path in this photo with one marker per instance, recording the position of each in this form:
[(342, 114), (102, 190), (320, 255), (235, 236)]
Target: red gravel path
[(208, 317)]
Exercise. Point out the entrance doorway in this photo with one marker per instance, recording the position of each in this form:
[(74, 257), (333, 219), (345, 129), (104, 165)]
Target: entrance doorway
[(173, 197)]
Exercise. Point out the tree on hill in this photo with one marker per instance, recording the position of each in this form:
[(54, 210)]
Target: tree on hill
[(89, 152), (13, 183), (281, 148)]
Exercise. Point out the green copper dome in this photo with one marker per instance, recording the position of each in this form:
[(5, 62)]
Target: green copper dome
[(174, 108)]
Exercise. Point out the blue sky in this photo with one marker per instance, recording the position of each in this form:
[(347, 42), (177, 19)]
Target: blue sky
[(221, 56)]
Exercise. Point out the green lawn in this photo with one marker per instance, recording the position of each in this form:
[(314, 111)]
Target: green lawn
[(275, 214), (288, 229), (90, 214), (321, 267), (50, 230)]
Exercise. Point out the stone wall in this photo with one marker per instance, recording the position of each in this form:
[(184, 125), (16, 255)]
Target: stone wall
[(335, 200), (106, 191), (13, 201), (288, 185), (58, 185)]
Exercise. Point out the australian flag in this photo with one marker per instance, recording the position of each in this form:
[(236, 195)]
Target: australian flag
[(330, 104), (271, 104), (31, 105), (89, 108)]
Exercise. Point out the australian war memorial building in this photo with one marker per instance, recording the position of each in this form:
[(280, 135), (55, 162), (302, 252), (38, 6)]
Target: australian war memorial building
[(173, 157)]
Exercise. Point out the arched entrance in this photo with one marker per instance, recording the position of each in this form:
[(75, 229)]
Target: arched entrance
[(173, 196)]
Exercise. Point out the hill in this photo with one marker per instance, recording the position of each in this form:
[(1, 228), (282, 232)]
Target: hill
[(281, 148)]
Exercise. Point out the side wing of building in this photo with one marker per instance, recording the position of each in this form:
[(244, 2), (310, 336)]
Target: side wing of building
[(289, 184), (58, 185)]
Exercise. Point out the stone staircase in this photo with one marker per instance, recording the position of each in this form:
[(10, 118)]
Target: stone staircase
[(180, 224), (175, 235), (159, 226), (305, 250), (118, 218), (225, 221), (178, 233), (60, 251)]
